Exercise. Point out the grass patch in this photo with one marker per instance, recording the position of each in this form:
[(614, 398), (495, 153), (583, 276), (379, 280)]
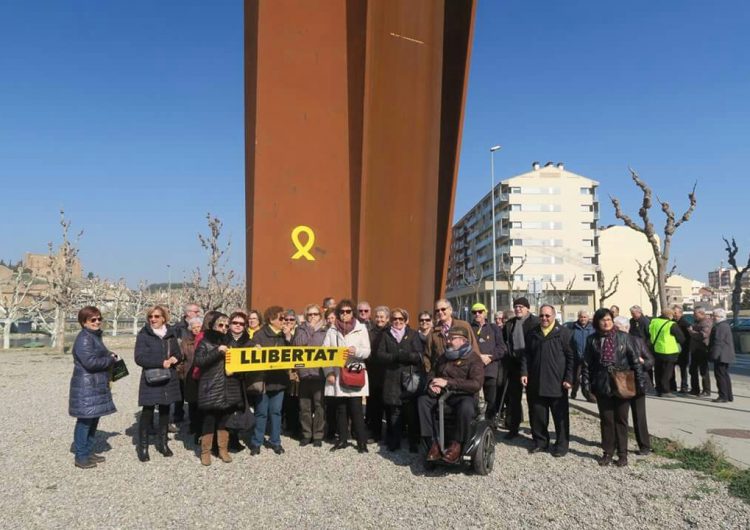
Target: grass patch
[(706, 458)]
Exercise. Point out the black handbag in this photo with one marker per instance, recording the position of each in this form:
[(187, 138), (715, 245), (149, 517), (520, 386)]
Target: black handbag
[(413, 382), (119, 370), (242, 420), (159, 376)]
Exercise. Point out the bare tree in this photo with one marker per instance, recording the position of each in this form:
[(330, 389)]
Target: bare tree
[(607, 291), (119, 296), (214, 292), (509, 273), (139, 300), (647, 279), (562, 296), (12, 304), (661, 252), (63, 285), (732, 251)]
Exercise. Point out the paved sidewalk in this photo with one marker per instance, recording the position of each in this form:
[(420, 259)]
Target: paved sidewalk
[(690, 419)]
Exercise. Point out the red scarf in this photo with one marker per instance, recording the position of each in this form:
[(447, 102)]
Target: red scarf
[(345, 327)]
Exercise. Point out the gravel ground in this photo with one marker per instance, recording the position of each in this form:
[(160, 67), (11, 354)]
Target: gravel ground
[(313, 488)]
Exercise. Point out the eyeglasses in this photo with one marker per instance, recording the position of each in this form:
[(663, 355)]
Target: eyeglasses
[(290, 319), (441, 309), (477, 312), (238, 323), (425, 320), (313, 314), (345, 312), (95, 319), (545, 315), (222, 325), (155, 316), (363, 310), (398, 319)]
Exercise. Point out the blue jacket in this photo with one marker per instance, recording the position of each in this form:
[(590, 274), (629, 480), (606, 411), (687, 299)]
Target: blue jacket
[(90, 396), (579, 334)]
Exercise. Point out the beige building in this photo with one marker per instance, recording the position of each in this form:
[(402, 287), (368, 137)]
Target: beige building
[(38, 264), (545, 219)]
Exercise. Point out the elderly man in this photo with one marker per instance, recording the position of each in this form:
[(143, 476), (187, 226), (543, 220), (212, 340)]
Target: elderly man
[(460, 370), (665, 337), (437, 341), (721, 351), (182, 328), (683, 360), (580, 331), (639, 323), (363, 314), (547, 374), (491, 350), (699, 336), (514, 333)]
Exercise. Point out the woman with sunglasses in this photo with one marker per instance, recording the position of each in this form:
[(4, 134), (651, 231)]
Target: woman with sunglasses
[(400, 353), (219, 394), (350, 333), (156, 346), (375, 410), (238, 337), (90, 397), (312, 414), (425, 326)]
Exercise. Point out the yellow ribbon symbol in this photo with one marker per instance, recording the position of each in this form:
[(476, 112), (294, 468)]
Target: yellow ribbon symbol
[(303, 251)]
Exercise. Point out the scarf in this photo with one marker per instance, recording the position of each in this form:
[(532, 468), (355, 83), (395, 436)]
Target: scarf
[(460, 353), (519, 343), (345, 327), (398, 335), (608, 347), (160, 332)]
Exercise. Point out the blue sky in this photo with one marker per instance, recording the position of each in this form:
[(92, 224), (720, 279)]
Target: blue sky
[(129, 115)]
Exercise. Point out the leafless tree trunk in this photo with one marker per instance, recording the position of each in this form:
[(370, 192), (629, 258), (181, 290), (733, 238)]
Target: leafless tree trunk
[(661, 253), (63, 285), (562, 296), (12, 305), (732, 251), (607, 291), (139, 301), (214, 294), (508, 272), (120, 295), (647, 279)]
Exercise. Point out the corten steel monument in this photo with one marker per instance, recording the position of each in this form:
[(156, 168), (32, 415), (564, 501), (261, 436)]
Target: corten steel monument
[(353, 113)]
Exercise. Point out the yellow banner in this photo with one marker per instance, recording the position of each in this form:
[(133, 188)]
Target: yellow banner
[(283, 358)]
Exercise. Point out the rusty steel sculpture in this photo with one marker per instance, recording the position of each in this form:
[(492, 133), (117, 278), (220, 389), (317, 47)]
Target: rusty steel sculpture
[(353, 113)]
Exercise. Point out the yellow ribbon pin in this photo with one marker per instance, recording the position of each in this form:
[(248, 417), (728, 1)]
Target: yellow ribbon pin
[(303, 251)]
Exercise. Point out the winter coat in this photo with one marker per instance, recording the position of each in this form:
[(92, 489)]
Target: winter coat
[(150, 352), (700, 336), (595, 375), (721, 343), (268, 380), (490, 341), (644, 352), (579, 334), (90, 395), (216, 390), (359, 338), (548, 361), (308, 336), (185, 368), (639, 327), (397, 358), (437, 343), (464, 376), (684, 325), (375, 368), (516, 354)]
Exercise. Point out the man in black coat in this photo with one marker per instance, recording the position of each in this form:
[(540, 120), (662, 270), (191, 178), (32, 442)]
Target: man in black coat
[(683, 361), (514, 334), (491, 351), (547, 374), (721, 352)]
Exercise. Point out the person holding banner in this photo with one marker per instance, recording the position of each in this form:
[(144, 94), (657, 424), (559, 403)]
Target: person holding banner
[(350, 333), (268, 386), (219, 394), (312, 416)]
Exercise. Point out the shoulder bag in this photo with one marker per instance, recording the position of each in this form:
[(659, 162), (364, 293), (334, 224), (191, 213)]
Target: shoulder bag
[(159, 376), (622, 382), (351, 376), (413, 381), (242, 420)]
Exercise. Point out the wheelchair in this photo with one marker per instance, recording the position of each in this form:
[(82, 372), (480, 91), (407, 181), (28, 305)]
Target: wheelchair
[(477, 451)]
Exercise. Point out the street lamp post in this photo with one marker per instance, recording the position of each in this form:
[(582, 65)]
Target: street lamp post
[(493, 305)]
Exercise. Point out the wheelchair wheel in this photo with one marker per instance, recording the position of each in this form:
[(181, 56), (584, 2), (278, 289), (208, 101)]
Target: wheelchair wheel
[(484, 457)]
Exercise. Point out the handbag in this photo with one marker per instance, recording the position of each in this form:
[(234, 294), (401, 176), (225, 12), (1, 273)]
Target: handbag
[(352, 377), (622, 382), (242, 420), (119, 370), (413, 382), (159, 376)]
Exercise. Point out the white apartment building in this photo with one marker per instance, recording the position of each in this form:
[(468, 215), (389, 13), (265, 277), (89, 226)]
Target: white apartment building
[(546, 240)]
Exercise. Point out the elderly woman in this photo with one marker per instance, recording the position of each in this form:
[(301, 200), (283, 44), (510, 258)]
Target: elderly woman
[(90, 397), (268, 386), (607, 350), (425, 326), (400, 353), (219, 394), (348, 332), (185, 373), (254, 322), (376, 372), (156, 350), (312, 415), (638, 403)]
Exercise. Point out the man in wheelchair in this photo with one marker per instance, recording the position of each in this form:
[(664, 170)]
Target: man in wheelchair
[(461, 371)]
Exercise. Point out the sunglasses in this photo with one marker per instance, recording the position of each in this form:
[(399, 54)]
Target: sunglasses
[(290, 319), (544, 315), (222, 326), (345, 312), (237, 323), (425, 320), (363, 310), (441, 309), (95, 319), (477, 312), (152, 317), (313, 314), (397, 319)]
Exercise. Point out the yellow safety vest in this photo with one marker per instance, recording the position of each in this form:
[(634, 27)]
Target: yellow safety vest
[(661, 337)]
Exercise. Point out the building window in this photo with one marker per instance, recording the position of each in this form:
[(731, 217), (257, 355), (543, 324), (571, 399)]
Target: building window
[(515, 189), (585, 191), (588, 278), (587, 208), (588, 242), (516, 224), (516, 242), (587, 225), (588, 260), (515, 207)]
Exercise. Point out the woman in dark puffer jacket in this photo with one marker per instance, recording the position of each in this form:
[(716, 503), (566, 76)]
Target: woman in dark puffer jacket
[(399, 352), (609, 349), (90, 397), (156, 346), (219, 394)]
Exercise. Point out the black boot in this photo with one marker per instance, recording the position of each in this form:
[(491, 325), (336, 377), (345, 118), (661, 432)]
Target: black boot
[(162, 439), (141, 447)]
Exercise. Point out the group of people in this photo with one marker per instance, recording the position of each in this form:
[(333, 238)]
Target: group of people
[(406, 371)]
